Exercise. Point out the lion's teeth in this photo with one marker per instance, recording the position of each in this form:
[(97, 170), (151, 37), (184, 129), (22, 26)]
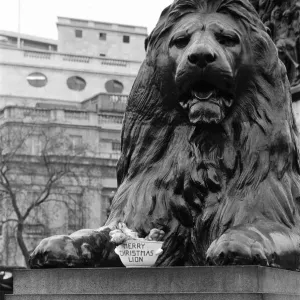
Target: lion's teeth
[(183, 104), (228, 102), (203, 95)]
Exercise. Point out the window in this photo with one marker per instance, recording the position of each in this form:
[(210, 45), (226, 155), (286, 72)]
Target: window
[(104, 146), (76, 219), (37, 79), (116, 146), (114, 86), (33, 196), (34, 229), (76, 83), (126, 39), (36, 145), (102, 36), (76, 141), (78, 33)]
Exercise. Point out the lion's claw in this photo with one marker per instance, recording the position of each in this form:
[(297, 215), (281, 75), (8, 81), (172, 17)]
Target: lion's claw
[(56, 251), (238, 248)]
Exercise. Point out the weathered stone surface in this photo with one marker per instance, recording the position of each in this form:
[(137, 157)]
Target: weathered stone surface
[(230, 283)]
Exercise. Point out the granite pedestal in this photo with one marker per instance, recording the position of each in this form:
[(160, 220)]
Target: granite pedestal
[(184, 283)]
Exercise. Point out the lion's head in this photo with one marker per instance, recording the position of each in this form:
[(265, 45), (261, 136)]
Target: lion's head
[(209, 115), (206, 51), (202, 59)]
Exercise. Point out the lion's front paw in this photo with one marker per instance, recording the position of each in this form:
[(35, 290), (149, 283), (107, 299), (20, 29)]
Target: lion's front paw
[(238, 247), (58, 251)]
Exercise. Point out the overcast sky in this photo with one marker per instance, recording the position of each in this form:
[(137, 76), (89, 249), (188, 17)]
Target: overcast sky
[(38, 17)]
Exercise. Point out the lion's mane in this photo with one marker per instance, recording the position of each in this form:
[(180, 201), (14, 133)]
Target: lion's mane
[(195, 182)]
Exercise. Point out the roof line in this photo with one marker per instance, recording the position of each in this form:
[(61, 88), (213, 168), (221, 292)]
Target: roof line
[(28, 36), (106, 23)]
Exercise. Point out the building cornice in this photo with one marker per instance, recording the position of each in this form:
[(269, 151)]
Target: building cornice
[(101, 22), (61, 124), (67, 69), (53, 101), (71, 54), (92, 162)]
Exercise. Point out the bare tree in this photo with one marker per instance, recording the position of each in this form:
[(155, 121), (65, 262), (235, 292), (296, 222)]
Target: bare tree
[(37, 166)]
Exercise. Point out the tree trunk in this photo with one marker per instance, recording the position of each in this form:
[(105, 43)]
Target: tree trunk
[(5, 253), (21, 243)]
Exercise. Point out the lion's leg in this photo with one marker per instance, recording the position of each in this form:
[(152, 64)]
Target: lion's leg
[(83, 248), (263, 243)]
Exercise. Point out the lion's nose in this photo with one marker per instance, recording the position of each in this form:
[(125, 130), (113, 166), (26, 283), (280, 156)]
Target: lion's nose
[(202, 57)]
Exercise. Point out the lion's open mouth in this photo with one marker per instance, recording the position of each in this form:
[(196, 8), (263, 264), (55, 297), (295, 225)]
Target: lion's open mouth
[(203, 100), (205, 92)]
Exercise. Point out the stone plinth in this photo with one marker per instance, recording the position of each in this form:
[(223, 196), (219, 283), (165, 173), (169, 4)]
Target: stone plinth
[(184, 283)]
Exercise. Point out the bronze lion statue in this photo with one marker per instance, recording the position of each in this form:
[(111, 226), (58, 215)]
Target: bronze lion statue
[(209, 148)]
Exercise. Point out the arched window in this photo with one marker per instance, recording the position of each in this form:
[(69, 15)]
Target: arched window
[(114, 86), (76, 83), (37, 79)]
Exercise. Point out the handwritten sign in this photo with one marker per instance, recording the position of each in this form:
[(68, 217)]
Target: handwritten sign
[(139, 253), (135, 252)]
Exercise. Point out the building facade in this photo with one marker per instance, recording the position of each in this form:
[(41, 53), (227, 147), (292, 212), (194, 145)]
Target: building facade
[(98, 39), (78, 84)]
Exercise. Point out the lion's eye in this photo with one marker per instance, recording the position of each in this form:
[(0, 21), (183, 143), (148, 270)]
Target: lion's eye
[(227, 40), (181, 42)]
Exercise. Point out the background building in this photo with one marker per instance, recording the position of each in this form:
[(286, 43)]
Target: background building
[(77, 86), (92, 58)]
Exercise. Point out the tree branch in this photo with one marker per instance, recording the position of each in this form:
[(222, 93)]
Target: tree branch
[(9, 220)]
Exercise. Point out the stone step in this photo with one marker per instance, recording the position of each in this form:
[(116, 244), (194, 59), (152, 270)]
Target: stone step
[(179, 296), (229, 279)]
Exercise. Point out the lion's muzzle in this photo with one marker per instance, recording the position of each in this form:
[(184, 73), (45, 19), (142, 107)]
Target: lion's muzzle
[(202, 55)]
